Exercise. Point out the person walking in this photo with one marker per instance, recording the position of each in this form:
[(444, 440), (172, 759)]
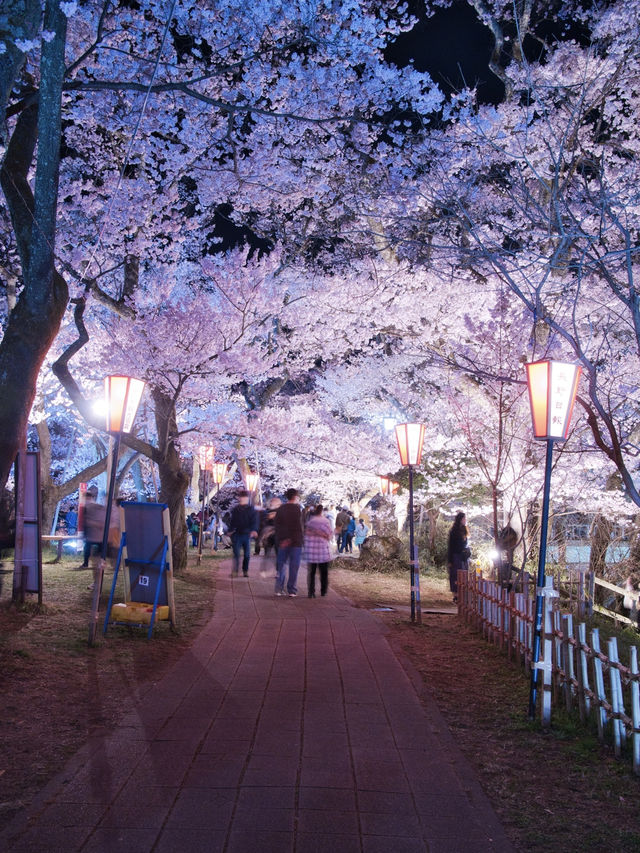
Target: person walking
[(289, 538), (94, 519), (317, 535), (243, 528), (94, 522), (362, 531), (267, 536), (457, 551)]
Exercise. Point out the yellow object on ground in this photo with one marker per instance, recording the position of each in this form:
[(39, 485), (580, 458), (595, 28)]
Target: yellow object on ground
[(138, 612)]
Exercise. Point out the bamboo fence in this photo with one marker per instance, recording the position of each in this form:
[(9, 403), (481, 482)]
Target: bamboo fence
[(573, 672)]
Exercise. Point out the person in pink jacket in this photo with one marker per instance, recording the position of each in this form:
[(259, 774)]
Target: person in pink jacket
[(317, 537)]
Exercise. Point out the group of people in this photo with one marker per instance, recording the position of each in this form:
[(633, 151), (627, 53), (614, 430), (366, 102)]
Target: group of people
[(294, 534), (347, 531), (213, 529), (291, 532)]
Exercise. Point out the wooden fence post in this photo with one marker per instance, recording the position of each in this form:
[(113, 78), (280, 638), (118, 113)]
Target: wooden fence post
[(495, 608), (505, 618), (530, 606), (635, 709), (567, 659), (598, 678), (590, 590), (617, 707), (521, 628), (557, 655), (511, 634), (580, 609), (584, 700), (483, 616)]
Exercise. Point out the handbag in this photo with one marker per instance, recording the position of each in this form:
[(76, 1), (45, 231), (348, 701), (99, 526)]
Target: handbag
[(465, 553)]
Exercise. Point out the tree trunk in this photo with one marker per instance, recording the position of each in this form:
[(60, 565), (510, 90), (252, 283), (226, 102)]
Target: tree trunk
[(46, 483), (21, 18), (434, 514), (174, 481), (35, 322), (494, 509), (600, 539)]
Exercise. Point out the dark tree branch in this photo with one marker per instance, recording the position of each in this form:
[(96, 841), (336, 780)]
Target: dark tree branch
[(63, 374)]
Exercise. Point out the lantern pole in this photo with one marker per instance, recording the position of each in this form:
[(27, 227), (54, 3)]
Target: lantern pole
[(219, 470), (124, 420), (410, 438), (111, 491), (542, 557), (99, 574), (552, 387), (204, 498), (416, 610), (215, 532)]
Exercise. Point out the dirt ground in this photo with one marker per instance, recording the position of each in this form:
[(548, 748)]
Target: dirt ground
[(555, 791)]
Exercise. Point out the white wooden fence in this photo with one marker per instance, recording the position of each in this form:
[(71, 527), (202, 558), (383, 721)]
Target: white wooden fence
[(571, 671)]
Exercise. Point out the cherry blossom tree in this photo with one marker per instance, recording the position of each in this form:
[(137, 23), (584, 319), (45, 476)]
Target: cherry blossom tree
[(538, 195), (161, 119)]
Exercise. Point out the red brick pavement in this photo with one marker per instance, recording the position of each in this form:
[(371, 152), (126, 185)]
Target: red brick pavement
[(289, 727)]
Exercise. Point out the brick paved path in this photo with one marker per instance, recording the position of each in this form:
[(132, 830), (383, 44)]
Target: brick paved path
[(289, 726)]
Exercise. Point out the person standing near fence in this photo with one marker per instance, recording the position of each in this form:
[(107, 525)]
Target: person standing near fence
[(289, 537), (317, 535), (458, 552)]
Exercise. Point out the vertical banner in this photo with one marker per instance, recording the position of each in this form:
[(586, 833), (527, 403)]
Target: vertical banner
[(28, 556), (82, 499)]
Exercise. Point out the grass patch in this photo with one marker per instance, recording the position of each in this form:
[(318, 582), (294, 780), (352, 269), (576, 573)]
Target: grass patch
[(57, 690)]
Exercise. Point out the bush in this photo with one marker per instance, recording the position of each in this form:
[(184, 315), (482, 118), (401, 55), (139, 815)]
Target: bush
[(384, 554), (435, 558)]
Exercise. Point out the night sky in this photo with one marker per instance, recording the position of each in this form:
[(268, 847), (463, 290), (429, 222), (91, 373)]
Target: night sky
[(454, 48)]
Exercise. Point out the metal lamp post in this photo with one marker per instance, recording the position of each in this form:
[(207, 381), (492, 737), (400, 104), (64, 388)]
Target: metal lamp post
[(410, 438), (552, 392), (207, 452), (218, 470), (122, 398)]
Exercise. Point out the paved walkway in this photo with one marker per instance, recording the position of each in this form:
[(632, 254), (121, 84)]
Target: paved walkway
[(289, 726)]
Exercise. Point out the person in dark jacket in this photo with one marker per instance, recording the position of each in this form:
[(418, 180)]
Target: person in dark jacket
[(243, 528), (457, 551), (342, 522), (289, 536), (349, 533)]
